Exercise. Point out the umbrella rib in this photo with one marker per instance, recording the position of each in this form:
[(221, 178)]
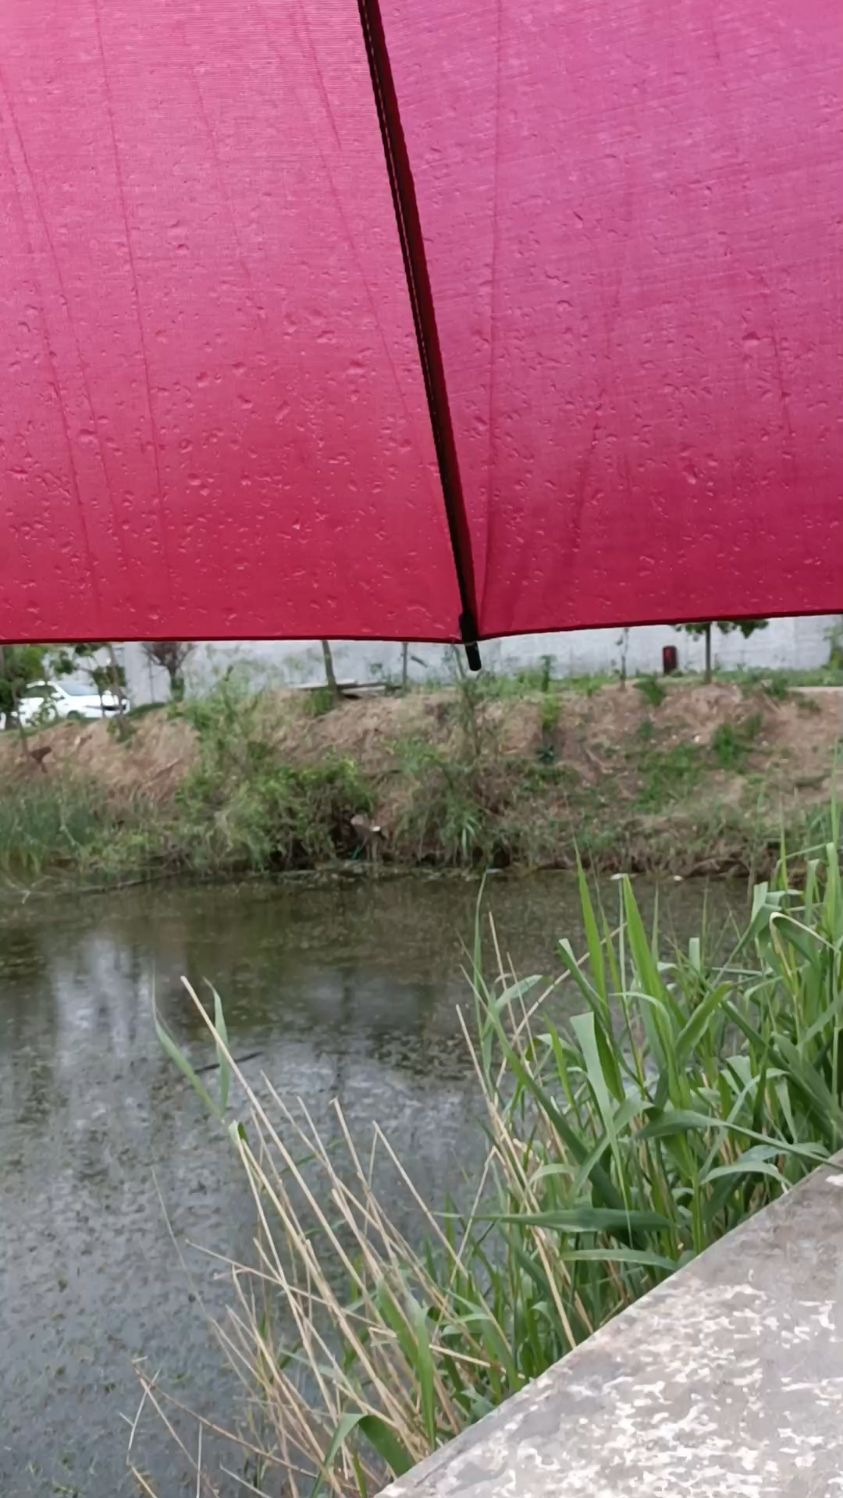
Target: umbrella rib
[(410, 234)]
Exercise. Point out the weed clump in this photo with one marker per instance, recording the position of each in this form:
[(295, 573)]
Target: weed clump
[(651, 690), (242, 807), (732, 742), (48, 824)]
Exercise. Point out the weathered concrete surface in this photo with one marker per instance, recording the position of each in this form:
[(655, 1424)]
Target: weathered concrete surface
[(726, 1382)]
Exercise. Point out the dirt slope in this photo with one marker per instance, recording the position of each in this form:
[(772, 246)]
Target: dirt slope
[(617, 769)]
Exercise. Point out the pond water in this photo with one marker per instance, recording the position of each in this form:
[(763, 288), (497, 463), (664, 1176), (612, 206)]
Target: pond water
[(109, 1167)]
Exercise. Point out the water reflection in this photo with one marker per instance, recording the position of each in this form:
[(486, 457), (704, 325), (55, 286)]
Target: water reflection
[(349, 992)]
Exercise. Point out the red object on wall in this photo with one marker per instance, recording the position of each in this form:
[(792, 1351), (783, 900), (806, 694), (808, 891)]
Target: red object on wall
[(212, 411)]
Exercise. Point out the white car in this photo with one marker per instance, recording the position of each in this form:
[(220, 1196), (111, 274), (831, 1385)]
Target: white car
[(49, 701)]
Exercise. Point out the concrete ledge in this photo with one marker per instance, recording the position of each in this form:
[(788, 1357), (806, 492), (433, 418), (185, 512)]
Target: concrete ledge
[(727, 1380)]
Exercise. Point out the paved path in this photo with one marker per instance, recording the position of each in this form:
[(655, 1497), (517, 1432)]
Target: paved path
[(725, 1382)]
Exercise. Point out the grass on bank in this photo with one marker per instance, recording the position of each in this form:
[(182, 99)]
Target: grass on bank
[(240, 809), (456, 814), (47, 825), (454, 798), (681, 1096), (774, 682)]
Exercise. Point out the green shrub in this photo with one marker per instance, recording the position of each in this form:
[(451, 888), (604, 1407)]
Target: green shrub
[(243, 808), (319, 701), (527, 682), (668, 774), (445, 818), (46, 823), (652, 690), (274, 817), (732, 742), (548, 724)]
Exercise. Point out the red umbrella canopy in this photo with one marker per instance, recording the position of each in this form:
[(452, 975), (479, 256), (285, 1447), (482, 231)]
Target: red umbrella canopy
[(601, 383)]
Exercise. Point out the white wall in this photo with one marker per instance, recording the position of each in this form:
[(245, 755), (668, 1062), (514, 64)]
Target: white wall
[(784, 644)]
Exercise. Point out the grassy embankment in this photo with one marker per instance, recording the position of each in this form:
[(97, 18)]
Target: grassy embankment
[(684, 1095), (671, 776)]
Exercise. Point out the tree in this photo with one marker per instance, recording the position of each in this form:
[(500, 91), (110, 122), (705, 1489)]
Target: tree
[(747, 627), (20, 666), (117, 676), (330, 673), (23, 665), (108, 677), (63, 660), (171, 656), (623, 642), (101, 679)]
